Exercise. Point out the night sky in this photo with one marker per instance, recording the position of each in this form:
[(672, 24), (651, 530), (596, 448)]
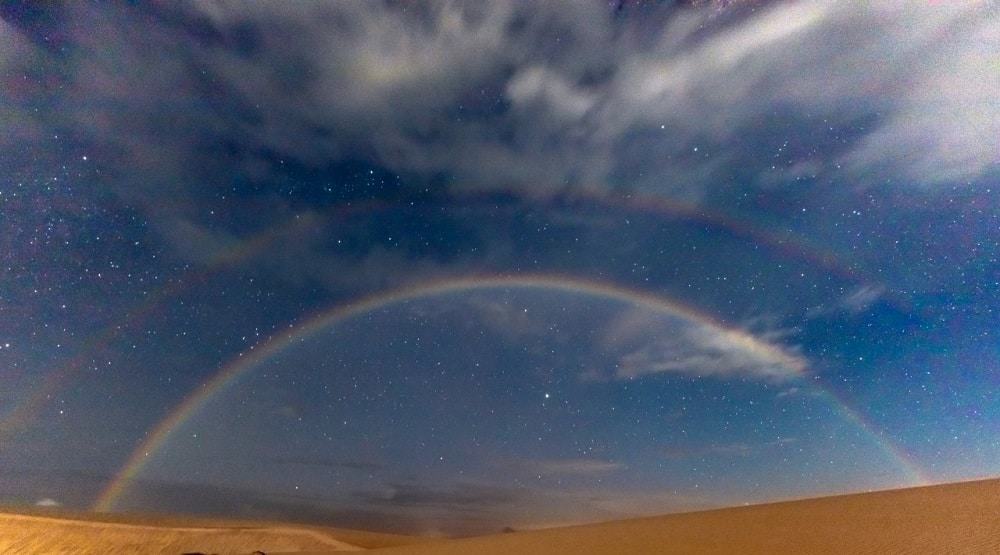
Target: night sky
[(451, 267)]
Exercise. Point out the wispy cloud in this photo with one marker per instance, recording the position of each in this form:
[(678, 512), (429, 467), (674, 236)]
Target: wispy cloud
[(178, 104), (648, 343), (861, 298), (853, 302), (536, 97), (737, 449), (570, 467), (360, 465), (467, 495), (787, 392)]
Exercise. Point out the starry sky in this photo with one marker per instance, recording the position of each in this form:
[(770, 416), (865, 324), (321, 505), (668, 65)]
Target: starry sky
[(448, 267)]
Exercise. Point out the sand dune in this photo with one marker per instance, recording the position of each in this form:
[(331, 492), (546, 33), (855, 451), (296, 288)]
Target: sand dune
[(951, 518), (117, 534)]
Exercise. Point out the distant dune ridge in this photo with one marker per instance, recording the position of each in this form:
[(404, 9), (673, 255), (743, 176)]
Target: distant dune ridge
[(949, 518)]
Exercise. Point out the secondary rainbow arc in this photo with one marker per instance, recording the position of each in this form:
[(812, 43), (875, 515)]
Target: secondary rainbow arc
[(655, 205)]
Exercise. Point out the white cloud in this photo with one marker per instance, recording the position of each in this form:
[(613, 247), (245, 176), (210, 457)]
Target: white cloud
[(545, 97), (704, 351), (945, 123), (921, 74), (648, 344), (551, 92), (47, 502)]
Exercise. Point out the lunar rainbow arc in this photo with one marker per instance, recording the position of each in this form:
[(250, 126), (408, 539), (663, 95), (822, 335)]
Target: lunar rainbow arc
[(241, 365)]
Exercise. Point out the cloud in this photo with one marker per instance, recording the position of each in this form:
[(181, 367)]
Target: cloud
[(11, 44), (854, 302), (646, 344), (182, 106), (535, 97), (30, 483), (295, 249), (861, 298), (787, 392), (464, 495), (359, 465), (200, 244), (586, 118), (570, 467), (465, 508), (204, 499), (944, 126), (47, 502), (738, 449), (704, 351)]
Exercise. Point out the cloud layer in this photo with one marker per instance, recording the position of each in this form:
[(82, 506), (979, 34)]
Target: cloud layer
[(533, 97)]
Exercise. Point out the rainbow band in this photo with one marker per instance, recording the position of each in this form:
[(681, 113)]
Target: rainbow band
[(914, 475), (246, 361), (788, 245), (243, 363)]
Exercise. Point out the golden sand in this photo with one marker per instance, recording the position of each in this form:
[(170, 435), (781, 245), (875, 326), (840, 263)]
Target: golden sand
[(85, 534), (950, 518)]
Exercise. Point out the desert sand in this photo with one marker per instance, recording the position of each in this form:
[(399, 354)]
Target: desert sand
[(950, 518), (80, 533)]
